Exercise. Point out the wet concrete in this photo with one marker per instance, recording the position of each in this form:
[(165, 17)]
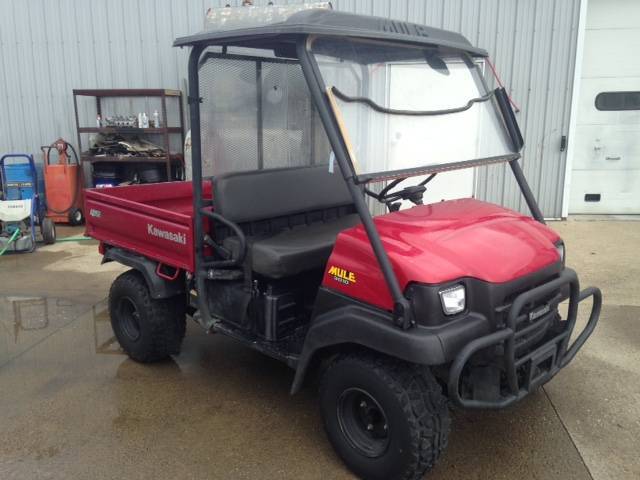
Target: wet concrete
[(598, 395), (69, 270), (73, 406)]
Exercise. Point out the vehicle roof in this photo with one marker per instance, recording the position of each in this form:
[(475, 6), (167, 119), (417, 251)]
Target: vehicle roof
[(323, 21)]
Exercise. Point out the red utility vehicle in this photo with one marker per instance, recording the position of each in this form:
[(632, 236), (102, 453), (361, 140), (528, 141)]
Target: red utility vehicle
[(311, 121)]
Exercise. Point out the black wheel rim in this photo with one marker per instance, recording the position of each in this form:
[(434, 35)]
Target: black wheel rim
[(129, 319), (363, 422)]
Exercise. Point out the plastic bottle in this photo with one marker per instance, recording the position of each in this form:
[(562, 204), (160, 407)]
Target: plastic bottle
[(156, 119), (145, 120), (99, 121), (140, 123)]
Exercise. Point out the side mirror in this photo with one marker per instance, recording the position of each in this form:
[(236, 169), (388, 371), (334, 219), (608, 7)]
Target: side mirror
[(509, 118)]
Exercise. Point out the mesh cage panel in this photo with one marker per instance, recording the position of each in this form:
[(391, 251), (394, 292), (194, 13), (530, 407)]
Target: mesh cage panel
[(257, 113), (228, 115)]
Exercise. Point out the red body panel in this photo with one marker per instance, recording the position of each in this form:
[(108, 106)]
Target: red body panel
[(429, 244), (154, 220), (438, 243)]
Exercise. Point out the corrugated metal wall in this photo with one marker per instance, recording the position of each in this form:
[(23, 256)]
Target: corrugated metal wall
[(49, 47)]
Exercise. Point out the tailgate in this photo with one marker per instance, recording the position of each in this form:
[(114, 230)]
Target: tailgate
[(123, 217)]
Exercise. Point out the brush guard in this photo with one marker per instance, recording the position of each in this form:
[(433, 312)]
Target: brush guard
[(540, 364)]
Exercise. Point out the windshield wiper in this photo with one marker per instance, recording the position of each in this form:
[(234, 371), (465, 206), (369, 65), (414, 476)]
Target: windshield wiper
[(417, 113)]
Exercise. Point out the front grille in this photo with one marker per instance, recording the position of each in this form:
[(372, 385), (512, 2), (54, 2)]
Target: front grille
[(533, 323)]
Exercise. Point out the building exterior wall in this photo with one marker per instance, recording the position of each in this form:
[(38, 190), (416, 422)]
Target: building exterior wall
[(49, 47)]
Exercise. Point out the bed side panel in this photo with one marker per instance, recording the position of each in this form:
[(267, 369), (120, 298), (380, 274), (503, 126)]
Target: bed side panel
[(159, 234)]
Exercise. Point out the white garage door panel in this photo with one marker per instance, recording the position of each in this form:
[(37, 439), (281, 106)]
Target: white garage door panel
[(607, 147), (591, 87), (613, 14), (607, 143), (619, 192), (611, 53)]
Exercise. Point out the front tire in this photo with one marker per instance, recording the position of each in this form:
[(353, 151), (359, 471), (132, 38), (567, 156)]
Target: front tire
[(386, 419), (147, 329)]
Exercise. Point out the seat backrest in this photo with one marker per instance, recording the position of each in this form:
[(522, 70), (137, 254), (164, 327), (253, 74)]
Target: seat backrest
[(264, 194)]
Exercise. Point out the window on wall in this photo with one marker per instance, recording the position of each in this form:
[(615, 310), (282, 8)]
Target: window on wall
[(612, 101)]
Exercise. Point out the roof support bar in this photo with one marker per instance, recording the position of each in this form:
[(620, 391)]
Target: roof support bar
[(526, 191), (402, 310), (198, 202)]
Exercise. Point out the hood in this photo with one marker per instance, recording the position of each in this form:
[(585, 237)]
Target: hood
[(445, 241)]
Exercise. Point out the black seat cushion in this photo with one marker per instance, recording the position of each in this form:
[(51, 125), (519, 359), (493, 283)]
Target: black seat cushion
[(262, 194), (295, 250), (299, 249)]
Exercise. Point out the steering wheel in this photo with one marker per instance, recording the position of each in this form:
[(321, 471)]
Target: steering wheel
[(413, 193)]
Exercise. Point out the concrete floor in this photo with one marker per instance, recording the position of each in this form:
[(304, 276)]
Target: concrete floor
[(73, 406)]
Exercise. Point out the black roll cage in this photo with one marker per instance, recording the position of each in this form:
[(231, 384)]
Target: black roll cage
[(402, 315)]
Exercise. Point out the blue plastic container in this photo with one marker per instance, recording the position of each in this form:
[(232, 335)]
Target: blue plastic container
[(19, 181)]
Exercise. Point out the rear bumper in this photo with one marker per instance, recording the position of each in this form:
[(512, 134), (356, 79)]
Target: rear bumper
[(523, 373)]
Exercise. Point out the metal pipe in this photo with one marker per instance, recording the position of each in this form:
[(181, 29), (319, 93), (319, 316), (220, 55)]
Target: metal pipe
[(259, 120), (196, 148), (196, 170), (402, 310), (526, 191)]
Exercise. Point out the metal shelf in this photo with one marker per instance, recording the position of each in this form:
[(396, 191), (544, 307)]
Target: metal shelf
[(128, 92), (129, 158), (166, 131), (129, 130)]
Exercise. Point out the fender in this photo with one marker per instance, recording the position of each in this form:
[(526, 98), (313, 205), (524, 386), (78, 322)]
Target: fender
[(344, 321), (158, 287)]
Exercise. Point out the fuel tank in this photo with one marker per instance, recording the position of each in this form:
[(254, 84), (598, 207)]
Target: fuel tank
[(439, 243)]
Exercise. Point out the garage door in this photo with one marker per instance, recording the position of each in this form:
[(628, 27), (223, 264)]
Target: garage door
[(606, 171)]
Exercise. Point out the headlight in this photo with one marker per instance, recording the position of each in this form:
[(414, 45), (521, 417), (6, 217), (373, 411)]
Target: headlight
[(560, 250), (453, 300)]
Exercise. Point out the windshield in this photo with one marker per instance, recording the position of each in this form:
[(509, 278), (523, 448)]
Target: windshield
[(406, 110)]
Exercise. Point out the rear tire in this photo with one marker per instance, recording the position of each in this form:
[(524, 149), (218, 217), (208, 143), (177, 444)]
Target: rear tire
[(48, 231), (147, 329), (76, 217), (386, 419)]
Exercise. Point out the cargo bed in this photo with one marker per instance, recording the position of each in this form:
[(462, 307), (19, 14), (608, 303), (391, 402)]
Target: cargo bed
[(154, 220)]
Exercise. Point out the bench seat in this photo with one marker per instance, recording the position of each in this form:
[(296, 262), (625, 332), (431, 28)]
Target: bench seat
[(265, 197)]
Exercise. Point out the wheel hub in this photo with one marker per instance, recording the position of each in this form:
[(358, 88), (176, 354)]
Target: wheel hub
[(129, 319), (363, 422)]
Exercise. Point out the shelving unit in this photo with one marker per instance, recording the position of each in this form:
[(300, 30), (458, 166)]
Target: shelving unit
[(164, 95)]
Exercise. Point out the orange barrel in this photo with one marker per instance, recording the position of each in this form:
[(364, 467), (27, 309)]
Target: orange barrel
[(62, 185)]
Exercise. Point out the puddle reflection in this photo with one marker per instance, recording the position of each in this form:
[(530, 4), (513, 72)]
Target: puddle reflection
[(25, 320)]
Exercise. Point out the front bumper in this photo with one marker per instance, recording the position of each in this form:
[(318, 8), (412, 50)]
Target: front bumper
[(523, 372)]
